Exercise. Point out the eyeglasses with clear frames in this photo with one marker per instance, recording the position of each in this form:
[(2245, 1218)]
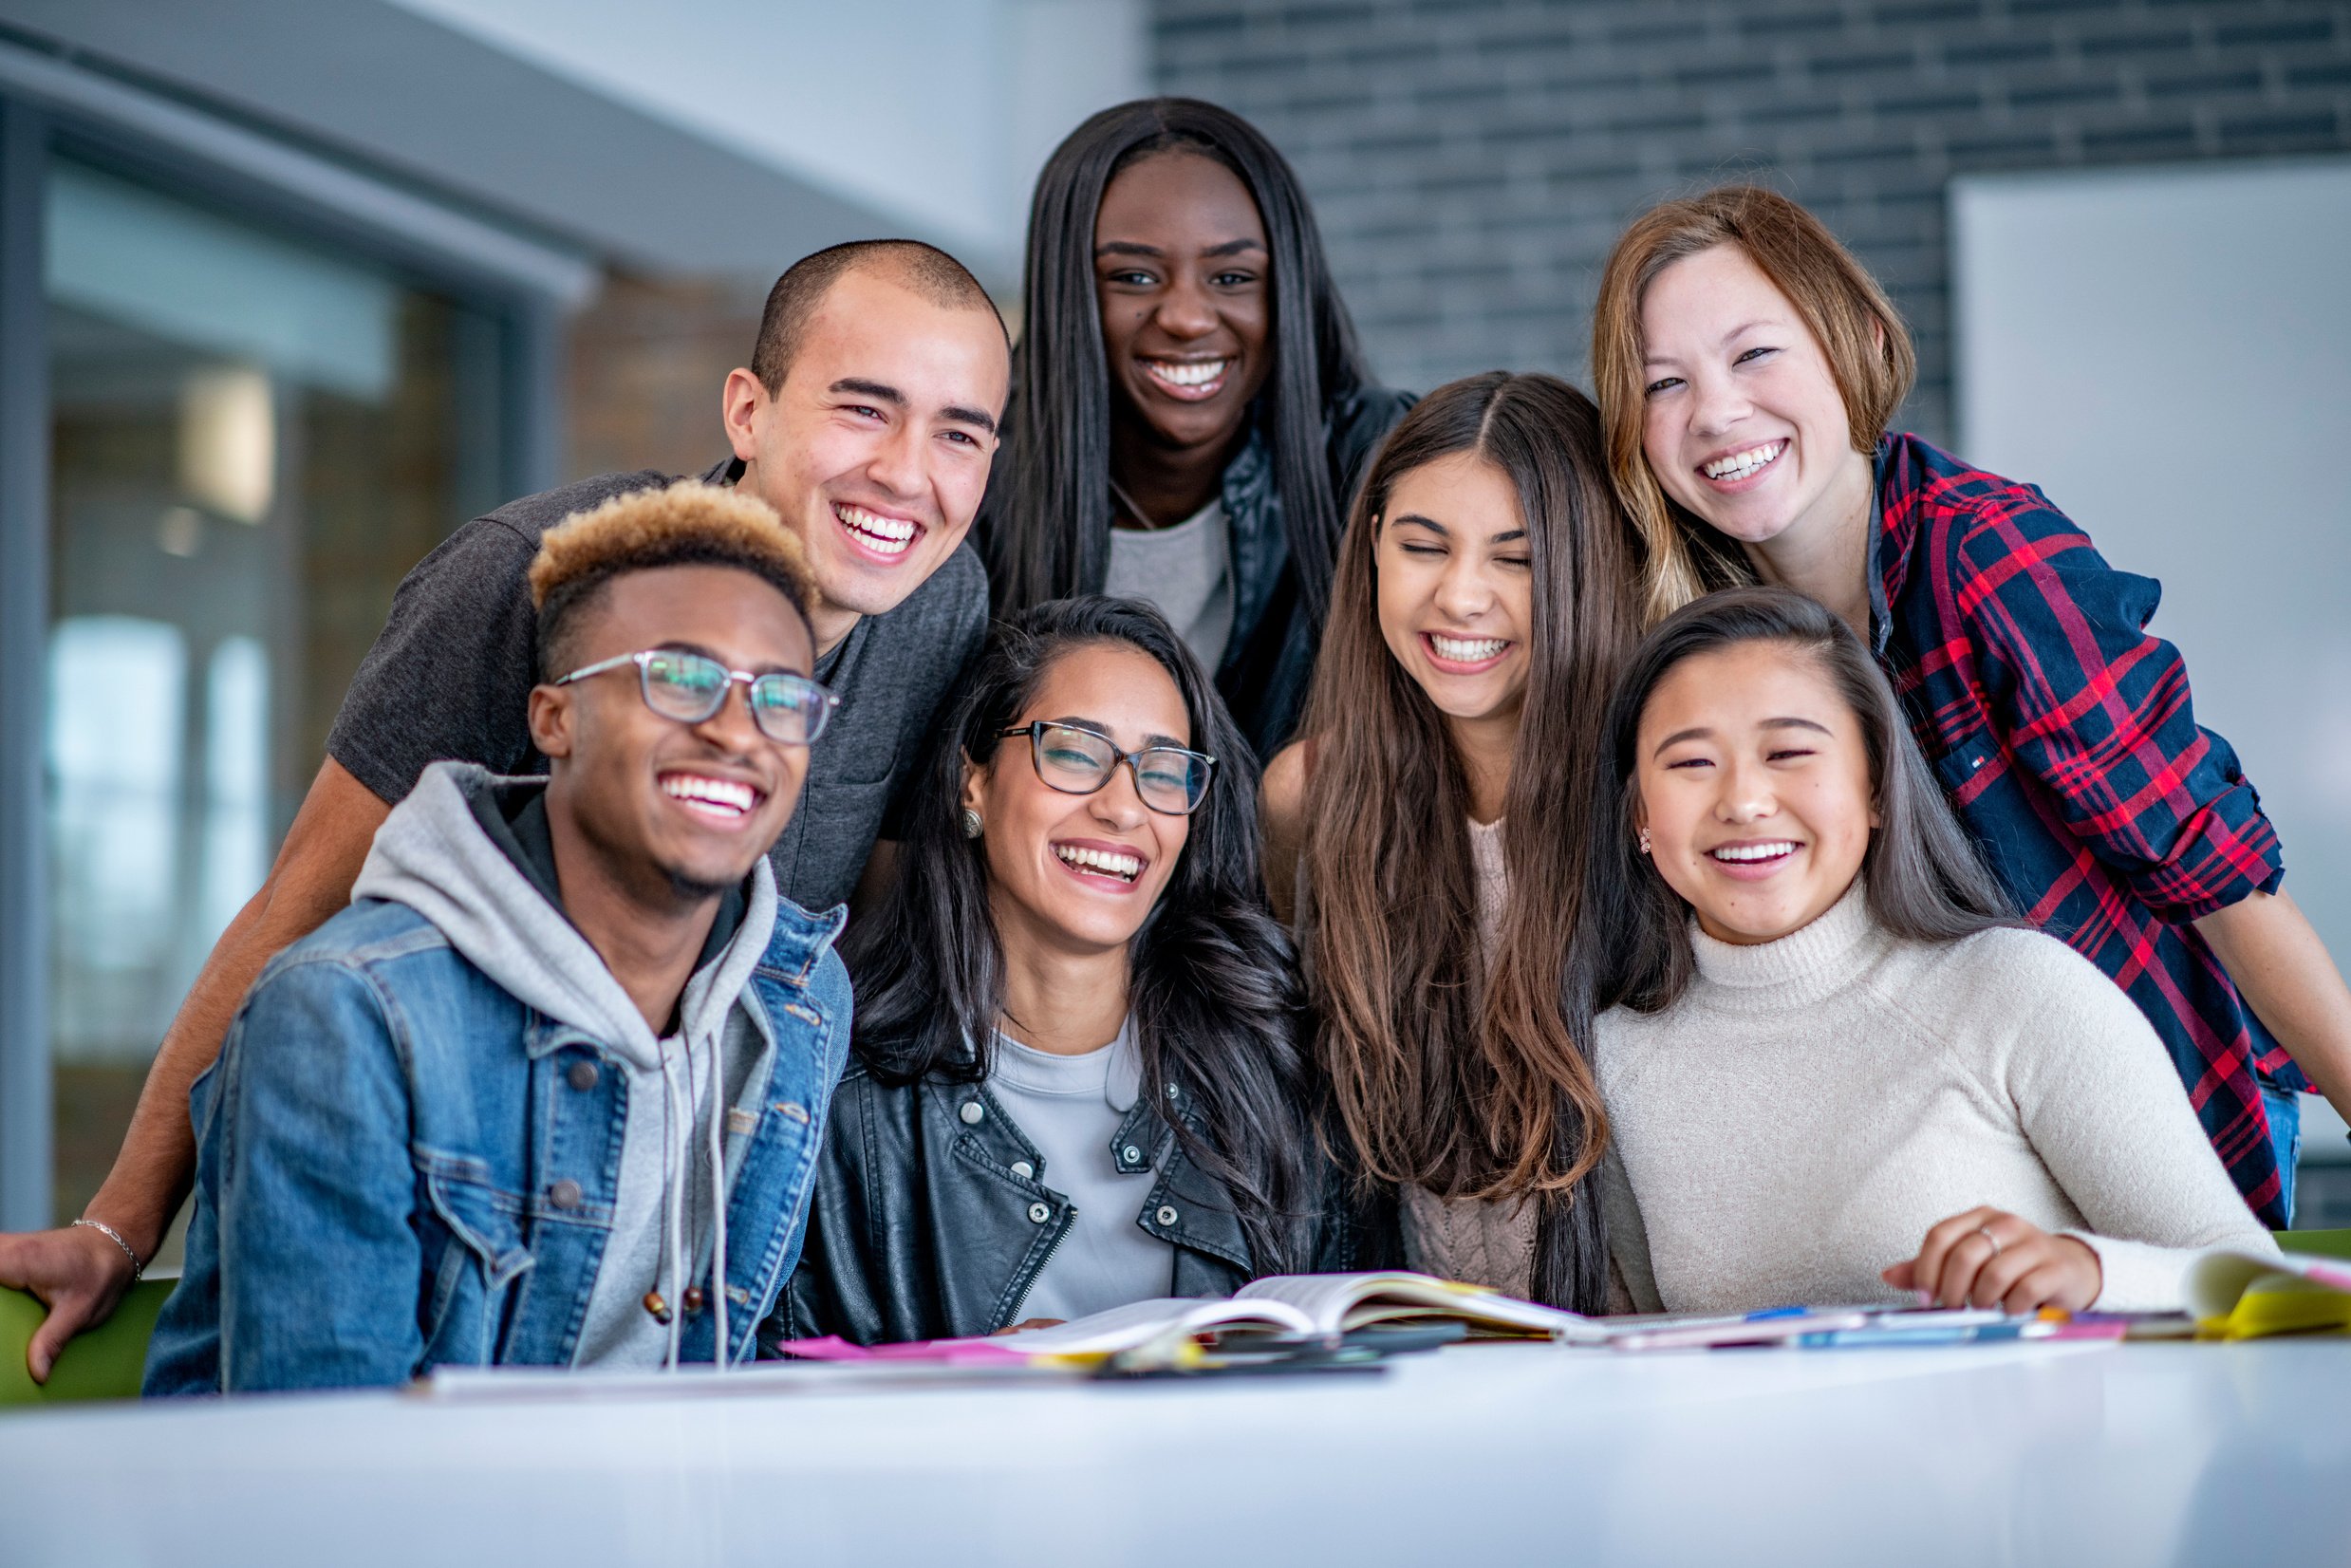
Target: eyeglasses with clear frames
[(790, 709)]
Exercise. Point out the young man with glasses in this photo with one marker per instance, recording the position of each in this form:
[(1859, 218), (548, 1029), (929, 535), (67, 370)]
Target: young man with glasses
[(548, 1092), (866, 419)]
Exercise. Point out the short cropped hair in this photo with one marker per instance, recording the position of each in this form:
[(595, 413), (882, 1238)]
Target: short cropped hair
[(1860, 331), (792, 302), (685, 524)]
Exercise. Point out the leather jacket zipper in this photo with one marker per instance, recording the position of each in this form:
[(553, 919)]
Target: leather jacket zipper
[(1037, 1273)]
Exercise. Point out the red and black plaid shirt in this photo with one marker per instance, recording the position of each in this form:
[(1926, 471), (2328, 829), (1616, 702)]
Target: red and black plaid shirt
[(2063, 735)]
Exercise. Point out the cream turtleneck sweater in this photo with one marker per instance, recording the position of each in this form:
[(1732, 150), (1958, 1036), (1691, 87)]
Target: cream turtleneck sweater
[(1805, 1111)]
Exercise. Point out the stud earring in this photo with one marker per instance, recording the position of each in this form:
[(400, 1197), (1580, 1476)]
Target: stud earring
[(971, 823), (1645, 841)]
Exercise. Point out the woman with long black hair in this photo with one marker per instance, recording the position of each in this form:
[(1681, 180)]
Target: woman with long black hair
[(1078, 1076), (1190, 409)]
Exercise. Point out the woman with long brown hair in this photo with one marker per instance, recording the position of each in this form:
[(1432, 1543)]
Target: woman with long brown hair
[(1485, 590)]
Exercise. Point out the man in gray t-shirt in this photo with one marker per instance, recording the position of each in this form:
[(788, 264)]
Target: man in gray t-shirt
[(867, 419)]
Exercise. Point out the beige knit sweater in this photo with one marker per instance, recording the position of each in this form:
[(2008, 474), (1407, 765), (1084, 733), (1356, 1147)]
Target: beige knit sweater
[(1810, 1107)]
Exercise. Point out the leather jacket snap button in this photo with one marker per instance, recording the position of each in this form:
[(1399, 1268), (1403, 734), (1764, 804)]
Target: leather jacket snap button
[(1131, 1155), (1039, 1212), (973, 1112), (1023, 1169), (565, 1194), (1166, 1216)]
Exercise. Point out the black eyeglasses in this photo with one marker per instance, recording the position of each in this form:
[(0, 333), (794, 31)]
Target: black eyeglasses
[(1170, 779), (791, 709)]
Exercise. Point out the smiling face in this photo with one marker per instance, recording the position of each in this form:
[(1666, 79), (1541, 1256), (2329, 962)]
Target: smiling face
[(1456, 588), (1754, 781), (1183, 278), (1743, 424), (673, 810), (876, 448), (1080, 873)]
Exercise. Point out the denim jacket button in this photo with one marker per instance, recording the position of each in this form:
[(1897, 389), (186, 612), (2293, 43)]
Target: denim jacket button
[(1040, 1213), (973, 1112), (565, 1194), (582, 1076), (1166, 1215), (1023, 1169)]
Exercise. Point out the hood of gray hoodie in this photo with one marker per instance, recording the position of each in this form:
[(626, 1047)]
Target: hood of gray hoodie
[(432, 855)]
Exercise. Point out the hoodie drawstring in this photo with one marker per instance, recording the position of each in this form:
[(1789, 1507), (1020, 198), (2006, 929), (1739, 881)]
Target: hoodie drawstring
[(674, 1184)]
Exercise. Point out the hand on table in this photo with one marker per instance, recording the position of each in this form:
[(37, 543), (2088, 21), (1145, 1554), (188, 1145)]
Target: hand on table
[(1989, 1258), (1030, 1323), (78, 1272)]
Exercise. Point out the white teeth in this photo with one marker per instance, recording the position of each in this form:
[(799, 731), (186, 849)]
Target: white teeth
[(1127, 866), (710, 792), (1771, 850), (1187, 373), (1739, 464), (887, 534), (1466, 651)]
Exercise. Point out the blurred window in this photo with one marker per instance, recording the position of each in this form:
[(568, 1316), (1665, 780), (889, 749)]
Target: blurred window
[(253, 438)]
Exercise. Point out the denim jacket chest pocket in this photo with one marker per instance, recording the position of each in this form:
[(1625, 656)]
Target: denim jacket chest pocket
[(470, 1228)]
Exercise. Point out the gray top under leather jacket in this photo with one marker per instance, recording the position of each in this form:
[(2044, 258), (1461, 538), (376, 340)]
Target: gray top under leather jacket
[(1270, 655), (923, 1228)]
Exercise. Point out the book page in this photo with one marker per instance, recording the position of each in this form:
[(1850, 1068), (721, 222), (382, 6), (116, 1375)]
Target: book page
[(1341, 1301), (2219, 1278), (1140, 1322)]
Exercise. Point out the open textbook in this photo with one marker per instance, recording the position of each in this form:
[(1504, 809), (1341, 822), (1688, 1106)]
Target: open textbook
[(1286, 1304), (2247, 1296)]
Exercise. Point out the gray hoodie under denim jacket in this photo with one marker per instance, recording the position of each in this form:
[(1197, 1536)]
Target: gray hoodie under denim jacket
[(440, 1132)]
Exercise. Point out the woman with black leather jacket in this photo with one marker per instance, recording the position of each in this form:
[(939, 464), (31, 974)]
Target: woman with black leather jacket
[(1078, 1076), (1190, 412)]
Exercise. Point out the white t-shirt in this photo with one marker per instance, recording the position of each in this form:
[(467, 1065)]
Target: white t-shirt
[(1070, 1107), (1186, 572)]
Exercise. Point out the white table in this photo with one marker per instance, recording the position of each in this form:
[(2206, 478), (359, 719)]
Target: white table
[(2142, 1454)]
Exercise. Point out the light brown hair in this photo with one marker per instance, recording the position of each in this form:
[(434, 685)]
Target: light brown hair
[(684, 524), (1465, 1077), (1859, 330)]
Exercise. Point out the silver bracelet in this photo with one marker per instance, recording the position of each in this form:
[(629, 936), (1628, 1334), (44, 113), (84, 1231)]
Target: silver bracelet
[(139, 1270)]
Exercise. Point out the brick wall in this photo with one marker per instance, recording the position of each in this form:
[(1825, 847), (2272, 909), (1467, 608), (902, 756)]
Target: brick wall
[(1473, 160)]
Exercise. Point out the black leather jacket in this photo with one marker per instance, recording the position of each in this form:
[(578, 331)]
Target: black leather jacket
[(1271, 657), (931, 1218)]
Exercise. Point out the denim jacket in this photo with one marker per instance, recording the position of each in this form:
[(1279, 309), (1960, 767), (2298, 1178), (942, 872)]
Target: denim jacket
[(418, 1169)]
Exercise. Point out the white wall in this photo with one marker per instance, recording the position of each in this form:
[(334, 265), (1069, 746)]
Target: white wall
[(2168, 354), (941, 110)]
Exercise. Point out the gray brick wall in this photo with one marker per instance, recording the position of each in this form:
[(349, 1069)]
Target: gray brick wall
[(1473, 160)]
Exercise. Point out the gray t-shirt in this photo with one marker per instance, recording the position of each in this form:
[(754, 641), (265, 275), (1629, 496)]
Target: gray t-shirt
[(1186, 572), (450, 677), (1068, 1106)]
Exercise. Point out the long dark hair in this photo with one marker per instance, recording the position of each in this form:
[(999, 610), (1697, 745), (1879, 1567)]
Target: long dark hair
[(1048, 519), (1921, 874), (1213, 993), (1460, 1076)]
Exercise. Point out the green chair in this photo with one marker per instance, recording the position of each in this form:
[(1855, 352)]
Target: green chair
[(2318, 1243), (106, 1363)]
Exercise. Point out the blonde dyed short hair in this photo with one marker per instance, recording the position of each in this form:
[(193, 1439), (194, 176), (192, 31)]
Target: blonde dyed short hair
[(684, 524), (1860, 331)]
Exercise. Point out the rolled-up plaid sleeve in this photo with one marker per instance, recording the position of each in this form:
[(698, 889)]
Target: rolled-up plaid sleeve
[(2100, 710)]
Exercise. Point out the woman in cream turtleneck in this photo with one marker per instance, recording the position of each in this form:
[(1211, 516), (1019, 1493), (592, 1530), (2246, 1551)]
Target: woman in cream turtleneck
[(1428, 834), (1833, 1071)]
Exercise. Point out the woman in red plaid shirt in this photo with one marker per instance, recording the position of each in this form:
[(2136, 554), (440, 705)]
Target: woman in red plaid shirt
[(1747, 368)]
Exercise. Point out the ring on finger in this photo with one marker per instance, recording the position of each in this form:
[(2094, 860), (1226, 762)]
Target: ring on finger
[(1986, 1232)]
